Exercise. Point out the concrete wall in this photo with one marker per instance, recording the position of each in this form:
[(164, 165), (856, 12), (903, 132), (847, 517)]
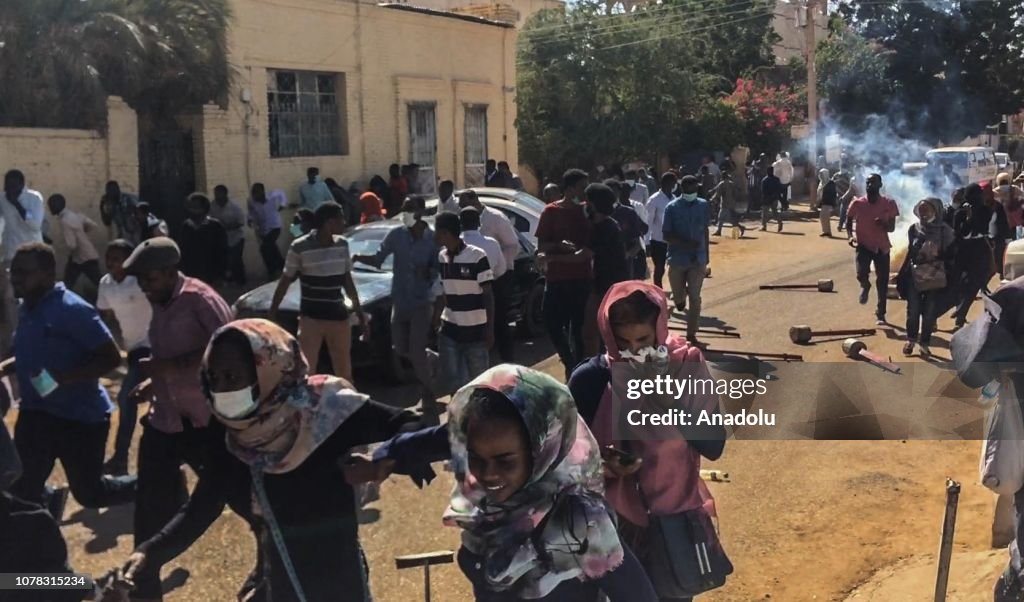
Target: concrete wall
[(76, 163), (389, 58)]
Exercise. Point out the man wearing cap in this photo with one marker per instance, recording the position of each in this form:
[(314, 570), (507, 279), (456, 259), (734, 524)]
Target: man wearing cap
[(186, 313), (61, 349)]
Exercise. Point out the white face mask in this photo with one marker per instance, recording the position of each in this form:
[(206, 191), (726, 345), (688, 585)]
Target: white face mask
[(689, 197), (408, 219), (646, 355), (234, 404)]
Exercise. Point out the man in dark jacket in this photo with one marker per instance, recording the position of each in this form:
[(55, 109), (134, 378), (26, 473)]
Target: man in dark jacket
[(30, 540), (772, 193), (203, 242), (973, 265)]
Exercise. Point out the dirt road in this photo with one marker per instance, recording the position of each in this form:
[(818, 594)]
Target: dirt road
[(802, 520)]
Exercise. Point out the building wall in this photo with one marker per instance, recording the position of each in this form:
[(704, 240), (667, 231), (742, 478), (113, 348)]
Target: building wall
[(76, 163), (389, 58)]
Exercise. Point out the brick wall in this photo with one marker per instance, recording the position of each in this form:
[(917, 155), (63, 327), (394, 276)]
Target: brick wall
[(76, 163)]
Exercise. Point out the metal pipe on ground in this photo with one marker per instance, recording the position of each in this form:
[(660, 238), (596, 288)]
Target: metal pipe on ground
[(803, 334), (946, 545), (822, 286)]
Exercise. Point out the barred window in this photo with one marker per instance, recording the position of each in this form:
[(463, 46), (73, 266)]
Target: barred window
[(306, 112)]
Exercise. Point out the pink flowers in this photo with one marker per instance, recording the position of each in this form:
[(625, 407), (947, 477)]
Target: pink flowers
[(767, 109)]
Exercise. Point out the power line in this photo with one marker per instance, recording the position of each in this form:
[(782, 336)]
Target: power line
[(668, 21), (673, 34), (618, 18)]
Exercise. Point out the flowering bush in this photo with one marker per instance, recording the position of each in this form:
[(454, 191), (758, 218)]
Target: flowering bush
[(768, 113)]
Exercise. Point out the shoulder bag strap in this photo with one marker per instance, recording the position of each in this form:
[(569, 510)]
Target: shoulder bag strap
[(275, 531)]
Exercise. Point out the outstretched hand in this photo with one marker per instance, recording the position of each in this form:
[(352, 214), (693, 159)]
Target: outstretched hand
[(359, 469)]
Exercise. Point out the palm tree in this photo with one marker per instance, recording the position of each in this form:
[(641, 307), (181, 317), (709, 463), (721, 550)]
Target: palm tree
[(59, 59)]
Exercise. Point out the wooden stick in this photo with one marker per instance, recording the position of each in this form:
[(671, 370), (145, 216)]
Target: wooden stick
[(946, 547), (781, 356)]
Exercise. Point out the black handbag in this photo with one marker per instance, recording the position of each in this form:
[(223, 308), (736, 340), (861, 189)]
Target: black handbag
[(685, 555)]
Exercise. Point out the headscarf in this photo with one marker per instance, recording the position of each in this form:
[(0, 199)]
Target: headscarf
[(373, 209), (936, 230), (295, 413), (670, 474), (565, 492)]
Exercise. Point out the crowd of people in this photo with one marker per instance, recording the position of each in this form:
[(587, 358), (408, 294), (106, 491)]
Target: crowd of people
[(554, 500)]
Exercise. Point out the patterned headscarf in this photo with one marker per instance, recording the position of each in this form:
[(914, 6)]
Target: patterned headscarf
[(296, 412), (565, 492)]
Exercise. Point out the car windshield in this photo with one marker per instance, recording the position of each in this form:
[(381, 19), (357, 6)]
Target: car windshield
[(957, 159), (529, 201), (366, 241)]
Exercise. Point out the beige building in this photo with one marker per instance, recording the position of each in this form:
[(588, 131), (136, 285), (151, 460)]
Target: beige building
[(509, 11), (352, 88)]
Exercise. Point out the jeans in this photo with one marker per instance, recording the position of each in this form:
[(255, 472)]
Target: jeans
[(236, 265), (270, 253), (659, 251), (773, 206), (410, 332), (41, 439), (461, 362), (865, 258), (843, 207), (564, 307), (921, 314), (686, 282), (128, 411), (727, 213), (162, 490)]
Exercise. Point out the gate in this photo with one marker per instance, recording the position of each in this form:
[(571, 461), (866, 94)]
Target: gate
[(166, 172)]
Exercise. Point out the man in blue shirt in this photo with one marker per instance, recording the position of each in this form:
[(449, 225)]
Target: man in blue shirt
[(61, 349), (414, 255), (687, 220), (314, 191)]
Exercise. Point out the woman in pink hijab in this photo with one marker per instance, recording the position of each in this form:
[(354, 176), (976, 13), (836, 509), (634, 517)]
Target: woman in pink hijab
[(633, 321)]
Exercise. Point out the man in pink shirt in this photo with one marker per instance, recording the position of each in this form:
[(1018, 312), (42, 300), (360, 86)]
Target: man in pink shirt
[(870, 219)]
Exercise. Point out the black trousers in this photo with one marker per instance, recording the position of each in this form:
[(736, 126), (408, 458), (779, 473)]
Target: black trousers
[(974, 269), (565, 304), (270, 253), (41, 439), (89, 269), (659, 251), (236, 265), (866, 257), (162, 491), (504, 336)]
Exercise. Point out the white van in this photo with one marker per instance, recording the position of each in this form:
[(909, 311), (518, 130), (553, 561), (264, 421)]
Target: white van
[(973, 164)]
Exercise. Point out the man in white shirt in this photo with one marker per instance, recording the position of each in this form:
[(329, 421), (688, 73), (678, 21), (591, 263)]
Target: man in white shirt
[(231, 216), (638, 190), (121, 300), (783, 169), (22, 213), (656, 222), (502, 269), (446, 197), (495, 224), (82, 255)]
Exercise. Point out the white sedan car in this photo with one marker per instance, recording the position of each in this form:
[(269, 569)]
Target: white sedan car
[(522, 209)]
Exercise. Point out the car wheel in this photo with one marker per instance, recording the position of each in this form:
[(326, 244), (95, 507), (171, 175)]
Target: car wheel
[(533, 311)]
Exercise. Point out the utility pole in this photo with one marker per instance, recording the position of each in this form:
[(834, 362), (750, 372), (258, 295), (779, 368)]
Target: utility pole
[(812, 97)]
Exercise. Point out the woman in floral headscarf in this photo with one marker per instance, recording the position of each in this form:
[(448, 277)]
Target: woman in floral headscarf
[(286, 432), (529, 493)]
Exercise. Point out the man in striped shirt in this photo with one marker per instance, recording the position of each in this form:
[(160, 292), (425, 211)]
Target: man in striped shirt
[(320, 261), (464, 313)]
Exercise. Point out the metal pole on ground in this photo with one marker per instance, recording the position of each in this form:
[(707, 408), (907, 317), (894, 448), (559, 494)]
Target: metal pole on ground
[(946, 545)]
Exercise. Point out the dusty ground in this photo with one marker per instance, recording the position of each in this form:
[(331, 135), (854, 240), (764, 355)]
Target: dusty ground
[(802, 520)]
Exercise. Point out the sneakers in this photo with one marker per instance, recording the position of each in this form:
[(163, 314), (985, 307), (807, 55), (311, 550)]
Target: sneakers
[(718, 233), (908, 349), (764, 228), (864, 290), (881, 321), (780, 228), (55, 503), (925, 351)]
